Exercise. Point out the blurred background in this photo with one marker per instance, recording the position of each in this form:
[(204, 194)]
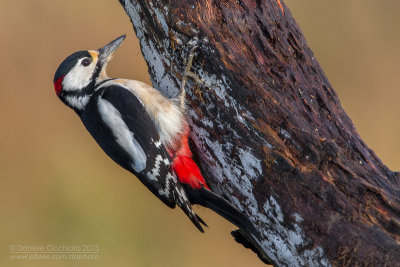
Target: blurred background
[(56, 185)]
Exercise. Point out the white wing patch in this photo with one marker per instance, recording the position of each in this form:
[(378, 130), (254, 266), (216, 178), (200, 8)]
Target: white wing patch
[(169, 179), (169, 120), (158, 144), (152, 175), (124, 137)]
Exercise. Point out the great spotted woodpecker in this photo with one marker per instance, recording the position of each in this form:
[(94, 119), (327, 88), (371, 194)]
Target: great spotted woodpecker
[(141, 130)]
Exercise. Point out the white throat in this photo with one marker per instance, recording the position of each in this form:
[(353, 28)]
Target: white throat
[(77, 102)]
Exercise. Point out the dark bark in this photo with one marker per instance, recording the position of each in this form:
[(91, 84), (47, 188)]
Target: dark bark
[(270, 133)]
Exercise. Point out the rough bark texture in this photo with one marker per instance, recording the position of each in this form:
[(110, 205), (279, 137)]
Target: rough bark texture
[(270, 133)]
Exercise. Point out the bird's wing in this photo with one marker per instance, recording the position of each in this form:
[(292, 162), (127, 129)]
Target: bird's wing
[(150, 161)]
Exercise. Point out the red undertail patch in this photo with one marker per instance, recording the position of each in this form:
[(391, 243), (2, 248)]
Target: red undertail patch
[(188, 172), (185, 168)]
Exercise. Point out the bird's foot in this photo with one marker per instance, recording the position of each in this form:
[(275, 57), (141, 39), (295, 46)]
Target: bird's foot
[(197, 79), (187, 73)]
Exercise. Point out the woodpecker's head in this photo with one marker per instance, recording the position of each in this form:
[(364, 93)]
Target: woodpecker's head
[(78, 74)]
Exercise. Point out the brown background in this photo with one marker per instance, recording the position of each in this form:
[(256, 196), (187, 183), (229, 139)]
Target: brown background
[(58, 187)]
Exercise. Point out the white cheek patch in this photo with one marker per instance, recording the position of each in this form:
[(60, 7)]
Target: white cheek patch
[(79, 77), (124, 137)]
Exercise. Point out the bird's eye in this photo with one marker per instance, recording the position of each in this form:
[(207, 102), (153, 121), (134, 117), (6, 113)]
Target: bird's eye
[(86, 62)]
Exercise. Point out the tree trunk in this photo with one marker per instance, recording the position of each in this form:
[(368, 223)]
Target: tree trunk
[(269, 132)]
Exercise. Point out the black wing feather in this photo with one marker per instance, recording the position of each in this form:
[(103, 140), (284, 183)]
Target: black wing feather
[(165, 185), (140, 124)]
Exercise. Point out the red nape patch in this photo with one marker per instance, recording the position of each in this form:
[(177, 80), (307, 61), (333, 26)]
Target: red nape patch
[(58, 85), (188, 172)]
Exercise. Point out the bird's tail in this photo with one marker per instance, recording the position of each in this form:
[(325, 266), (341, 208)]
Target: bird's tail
[(245, 234), (183, 202), (206, 198)]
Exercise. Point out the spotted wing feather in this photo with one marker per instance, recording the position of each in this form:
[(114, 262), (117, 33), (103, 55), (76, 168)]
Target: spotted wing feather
[(157, 174)]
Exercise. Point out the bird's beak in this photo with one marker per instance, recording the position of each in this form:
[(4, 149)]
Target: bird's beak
[(106, 51)]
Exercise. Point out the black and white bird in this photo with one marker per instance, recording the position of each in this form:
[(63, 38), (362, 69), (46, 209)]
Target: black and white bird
[(141, 130)]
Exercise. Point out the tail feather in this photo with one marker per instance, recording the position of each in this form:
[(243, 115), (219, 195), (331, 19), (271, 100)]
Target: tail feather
[(198, 192), (246, 232), (183, 202), (219, 205), (201, 221)]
